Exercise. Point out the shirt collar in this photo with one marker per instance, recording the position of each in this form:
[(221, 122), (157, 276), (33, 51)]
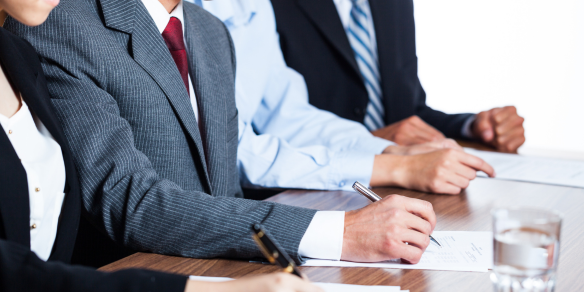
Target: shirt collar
[(160, 16), (232, 12)]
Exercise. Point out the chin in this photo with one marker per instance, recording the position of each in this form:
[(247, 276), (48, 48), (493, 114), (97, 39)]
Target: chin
[(32, 19)]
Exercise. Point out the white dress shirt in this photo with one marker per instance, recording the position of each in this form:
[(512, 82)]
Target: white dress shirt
[(42, 160), (161, 18), (344, 8)]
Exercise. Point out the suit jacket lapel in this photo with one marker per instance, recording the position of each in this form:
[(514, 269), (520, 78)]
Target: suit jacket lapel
[(151, 53), (211, 110), (325, 17)]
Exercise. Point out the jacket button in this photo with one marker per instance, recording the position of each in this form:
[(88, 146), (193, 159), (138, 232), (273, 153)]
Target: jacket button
[(33, 226), (358, 111)]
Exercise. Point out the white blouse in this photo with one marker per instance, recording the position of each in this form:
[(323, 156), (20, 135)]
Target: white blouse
[(43, 162)]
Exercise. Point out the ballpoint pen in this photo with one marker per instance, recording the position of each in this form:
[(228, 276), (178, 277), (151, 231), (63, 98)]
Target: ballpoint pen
[(373, 197), (272, 251)]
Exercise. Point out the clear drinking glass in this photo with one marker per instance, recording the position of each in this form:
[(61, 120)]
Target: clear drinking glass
[(526, 249)]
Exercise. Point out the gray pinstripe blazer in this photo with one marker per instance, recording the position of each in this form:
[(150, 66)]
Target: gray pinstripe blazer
[(150, 179)]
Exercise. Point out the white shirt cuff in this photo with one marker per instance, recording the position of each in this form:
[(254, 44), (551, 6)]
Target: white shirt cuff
[(466, 130), (324, 237)]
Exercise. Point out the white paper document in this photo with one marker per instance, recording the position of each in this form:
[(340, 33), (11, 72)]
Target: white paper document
[(327, 287), (533, 169), (461, 251)]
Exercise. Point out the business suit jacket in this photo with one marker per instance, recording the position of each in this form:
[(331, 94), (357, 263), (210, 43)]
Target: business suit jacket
[(21, 269), (150, 179), (315, 44)]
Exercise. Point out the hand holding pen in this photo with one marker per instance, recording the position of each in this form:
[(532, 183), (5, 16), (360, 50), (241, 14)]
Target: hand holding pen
[(394, 227), (373, 197)]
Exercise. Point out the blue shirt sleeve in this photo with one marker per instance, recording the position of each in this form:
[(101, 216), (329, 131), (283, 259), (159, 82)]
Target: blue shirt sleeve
[(284, 141)]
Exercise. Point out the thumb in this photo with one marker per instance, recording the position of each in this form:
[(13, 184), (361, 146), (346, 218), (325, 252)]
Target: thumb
[(484, 127)]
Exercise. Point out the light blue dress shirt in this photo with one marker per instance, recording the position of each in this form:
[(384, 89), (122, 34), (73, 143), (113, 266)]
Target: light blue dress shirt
[(283, 140)]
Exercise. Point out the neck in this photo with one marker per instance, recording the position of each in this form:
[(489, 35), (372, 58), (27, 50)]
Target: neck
[(169, 4), (3, 16)]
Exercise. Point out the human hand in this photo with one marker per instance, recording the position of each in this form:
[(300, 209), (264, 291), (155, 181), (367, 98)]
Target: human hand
[(278, 282), (501, 128), (423, 148), (380, 231), (445, 171), (409, 131)]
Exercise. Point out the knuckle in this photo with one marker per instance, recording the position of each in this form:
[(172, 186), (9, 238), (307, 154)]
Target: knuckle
[(391, 243), (395, 213), (435, 186), (393, 230)]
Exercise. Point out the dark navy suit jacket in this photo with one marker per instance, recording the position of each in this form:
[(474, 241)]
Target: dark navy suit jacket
[(315, 44)]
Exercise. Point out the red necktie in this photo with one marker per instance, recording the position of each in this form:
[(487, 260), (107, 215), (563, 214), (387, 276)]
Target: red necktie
[(173, 36)]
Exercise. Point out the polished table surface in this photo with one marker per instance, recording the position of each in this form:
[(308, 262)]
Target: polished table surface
[(469, 211)]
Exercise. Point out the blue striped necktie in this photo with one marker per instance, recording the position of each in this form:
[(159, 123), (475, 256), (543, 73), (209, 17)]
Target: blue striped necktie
[(360, 39)]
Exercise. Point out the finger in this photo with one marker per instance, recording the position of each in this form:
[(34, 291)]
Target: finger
[(509, 136), (418, 224), (416, 239), (514, 144), (511, 123), (464, 171), (476, 163), (420, 208), (446, 188), (458, 181), (409, 253), (450, 143), (499, 115)]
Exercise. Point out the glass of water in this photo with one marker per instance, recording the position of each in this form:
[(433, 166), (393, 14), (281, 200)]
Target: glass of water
[(526, 249)]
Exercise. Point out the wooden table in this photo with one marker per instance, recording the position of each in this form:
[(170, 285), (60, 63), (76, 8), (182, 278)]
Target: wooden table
[(467, 211)]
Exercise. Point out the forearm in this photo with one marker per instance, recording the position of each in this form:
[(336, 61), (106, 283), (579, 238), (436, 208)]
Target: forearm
[(268, 161), (22, 270), (451, 125)]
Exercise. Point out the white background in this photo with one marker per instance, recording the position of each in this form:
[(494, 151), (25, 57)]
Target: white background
[(478, 54)]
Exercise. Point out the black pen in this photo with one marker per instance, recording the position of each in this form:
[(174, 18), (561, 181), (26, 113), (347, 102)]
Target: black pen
[(272, 251), (373, 197)]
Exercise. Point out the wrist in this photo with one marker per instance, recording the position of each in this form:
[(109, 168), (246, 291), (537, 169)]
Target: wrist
[(388, 170)]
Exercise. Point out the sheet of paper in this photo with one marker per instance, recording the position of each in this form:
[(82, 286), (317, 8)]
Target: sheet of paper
[(533, 169), (327, 287), (461, 251)]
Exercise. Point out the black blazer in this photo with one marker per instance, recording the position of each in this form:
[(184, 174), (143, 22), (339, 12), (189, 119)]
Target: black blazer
[(315, 44), (21, 269)]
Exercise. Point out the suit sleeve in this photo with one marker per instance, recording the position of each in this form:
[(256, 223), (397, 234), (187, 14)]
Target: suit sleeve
[(122, 192), (22, 270)]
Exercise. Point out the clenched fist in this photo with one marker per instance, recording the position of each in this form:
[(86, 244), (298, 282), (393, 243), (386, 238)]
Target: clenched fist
[(501, 128)]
